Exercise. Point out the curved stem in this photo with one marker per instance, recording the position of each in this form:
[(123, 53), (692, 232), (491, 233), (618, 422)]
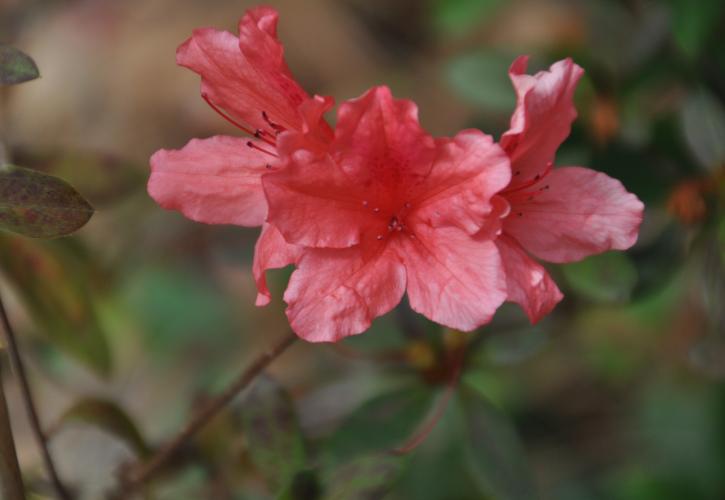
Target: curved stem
[(424, 430), (141, 473), (27, 395), (11, 481)]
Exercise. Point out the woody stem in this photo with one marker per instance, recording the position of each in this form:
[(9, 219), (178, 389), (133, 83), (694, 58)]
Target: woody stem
[(27, 397), (141, 473), (11, 481)]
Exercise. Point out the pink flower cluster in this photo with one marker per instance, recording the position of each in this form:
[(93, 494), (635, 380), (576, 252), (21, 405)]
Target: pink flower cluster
[(377, 207)]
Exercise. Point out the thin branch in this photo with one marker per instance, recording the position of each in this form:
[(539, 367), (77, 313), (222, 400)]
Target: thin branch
[(11, 481), (137, 476), (437, 412), (27, 397)]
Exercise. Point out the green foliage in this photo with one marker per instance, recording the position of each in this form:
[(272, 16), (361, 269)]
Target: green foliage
[(64, 313), (367, 477), (495, 457), (272, 433), (609, 277), (39, 205), (109, 417), (703, 122), (694, 23), (178, 309), (16, 66), (456, 17), (482, 79), (381, 423)]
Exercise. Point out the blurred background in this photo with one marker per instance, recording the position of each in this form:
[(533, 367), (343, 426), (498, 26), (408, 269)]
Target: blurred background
[(134, 322)]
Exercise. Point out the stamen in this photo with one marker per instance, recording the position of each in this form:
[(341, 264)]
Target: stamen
[(277, 128), (532, 181), (256, 133), (251, 145)]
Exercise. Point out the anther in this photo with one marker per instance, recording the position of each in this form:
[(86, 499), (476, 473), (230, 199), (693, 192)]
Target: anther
[(277, 128), (251, 145), (228, 118)]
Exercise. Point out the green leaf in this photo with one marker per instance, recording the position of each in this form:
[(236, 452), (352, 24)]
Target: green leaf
[(368, 477), (692, 24), (304, 486), (482, 79), (456, 17), (703, 122), (273, 435), (55, 280), (16, 66), (39, 205), (609, 277), (494, 454), (381, 423), (109, 417)]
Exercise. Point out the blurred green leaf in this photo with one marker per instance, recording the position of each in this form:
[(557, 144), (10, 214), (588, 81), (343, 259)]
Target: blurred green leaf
[(455, 17), (304, 486), (482, 79), (381, 423), (39, 205), (678, 429), (54, 279), (703, 122), (437, 468), (608, 277), (179, 309), (367, 477), (273, 435), (109, 417), (16, 66), (495, 456), (693, 23)]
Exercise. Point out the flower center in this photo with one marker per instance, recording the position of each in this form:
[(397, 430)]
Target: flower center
[(394, 219)]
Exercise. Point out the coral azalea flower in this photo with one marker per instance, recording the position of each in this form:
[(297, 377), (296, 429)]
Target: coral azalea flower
[(556, 214), (377, 207), (385, 210)]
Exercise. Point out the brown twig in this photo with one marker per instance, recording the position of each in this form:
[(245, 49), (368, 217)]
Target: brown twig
[(27, 397), (138, 475), (11, 481)]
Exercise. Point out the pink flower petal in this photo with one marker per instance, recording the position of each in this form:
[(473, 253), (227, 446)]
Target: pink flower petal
[(378, 140), (215, 180), (469, 169), (337, 293), (528, 283), (271, 252), (382, 169), (334, 200), (543, 116), (247, 75), (453, 278), (583, 212), (313, 203)]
